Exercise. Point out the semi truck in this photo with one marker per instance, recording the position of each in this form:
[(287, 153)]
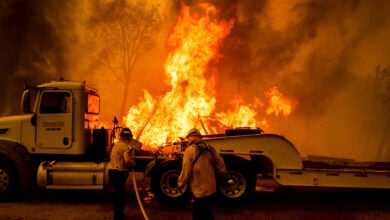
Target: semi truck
[(58, 144)]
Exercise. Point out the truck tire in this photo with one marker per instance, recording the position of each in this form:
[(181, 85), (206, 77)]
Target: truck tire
[(16, 170), (8, 179), (239, 186), (164, 184)]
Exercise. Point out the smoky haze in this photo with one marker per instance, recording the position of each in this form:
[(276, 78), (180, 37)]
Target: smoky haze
[(331, 56)]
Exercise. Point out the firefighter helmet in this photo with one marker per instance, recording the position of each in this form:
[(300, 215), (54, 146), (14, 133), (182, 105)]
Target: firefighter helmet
[(193, 132), (126, 132)]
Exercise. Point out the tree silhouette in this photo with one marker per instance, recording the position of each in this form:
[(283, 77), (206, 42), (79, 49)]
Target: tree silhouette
[(124, 31), (379, 105)]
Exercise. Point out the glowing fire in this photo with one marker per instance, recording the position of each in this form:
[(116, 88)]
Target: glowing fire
[(279, 103), (241, 116), (191, 101)]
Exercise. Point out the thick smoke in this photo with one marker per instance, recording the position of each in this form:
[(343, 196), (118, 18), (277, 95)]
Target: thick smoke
[(331, 56), (300, 44), (36, 38), (322, 53)]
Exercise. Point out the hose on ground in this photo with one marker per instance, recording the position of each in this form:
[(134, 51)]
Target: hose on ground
[(137, 193), (138, 197)]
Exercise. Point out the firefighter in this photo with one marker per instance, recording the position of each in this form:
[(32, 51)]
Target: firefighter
[(200, 161), (121, 161)]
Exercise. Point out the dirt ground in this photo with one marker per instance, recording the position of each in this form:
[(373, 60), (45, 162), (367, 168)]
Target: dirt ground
[(83, 205)]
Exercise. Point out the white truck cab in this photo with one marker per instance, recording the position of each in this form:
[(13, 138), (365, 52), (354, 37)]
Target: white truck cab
[(56, 143)]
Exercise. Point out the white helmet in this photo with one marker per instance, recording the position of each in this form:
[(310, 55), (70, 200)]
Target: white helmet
[(193, 132)]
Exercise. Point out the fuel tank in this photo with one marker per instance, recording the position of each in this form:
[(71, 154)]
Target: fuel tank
[(73, 175)]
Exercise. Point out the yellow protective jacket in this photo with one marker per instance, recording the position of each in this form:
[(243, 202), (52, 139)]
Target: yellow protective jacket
[(121, 156), (201, 174)]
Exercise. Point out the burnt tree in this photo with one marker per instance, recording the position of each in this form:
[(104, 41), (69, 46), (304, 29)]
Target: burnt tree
[(125, 30)]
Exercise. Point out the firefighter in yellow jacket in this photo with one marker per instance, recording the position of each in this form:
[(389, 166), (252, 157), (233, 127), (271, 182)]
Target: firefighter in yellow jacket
[(121, 161), (200, 161)]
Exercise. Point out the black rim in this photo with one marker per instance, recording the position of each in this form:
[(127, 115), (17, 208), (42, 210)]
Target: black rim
[(235, 185), (4, 180), (168, 184)]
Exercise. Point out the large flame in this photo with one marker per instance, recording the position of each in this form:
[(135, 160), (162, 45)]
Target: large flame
[(242, 115), (191, 101), (278, 103)]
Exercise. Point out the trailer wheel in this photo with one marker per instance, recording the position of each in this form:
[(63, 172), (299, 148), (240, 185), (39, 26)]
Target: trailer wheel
[(8, 179), (164, 184), (239, 186)]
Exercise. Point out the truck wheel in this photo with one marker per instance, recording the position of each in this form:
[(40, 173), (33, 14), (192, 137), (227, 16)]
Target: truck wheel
[(164, 184), (8, 179), (239, 186)]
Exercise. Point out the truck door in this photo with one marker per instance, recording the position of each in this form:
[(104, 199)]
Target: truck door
[(54, 119)]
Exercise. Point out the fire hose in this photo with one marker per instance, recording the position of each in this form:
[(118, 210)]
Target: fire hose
[(137, 193), (132, 172), (138, 197)]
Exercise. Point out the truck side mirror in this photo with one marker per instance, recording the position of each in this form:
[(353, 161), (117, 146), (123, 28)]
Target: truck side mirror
[(26, 104)]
